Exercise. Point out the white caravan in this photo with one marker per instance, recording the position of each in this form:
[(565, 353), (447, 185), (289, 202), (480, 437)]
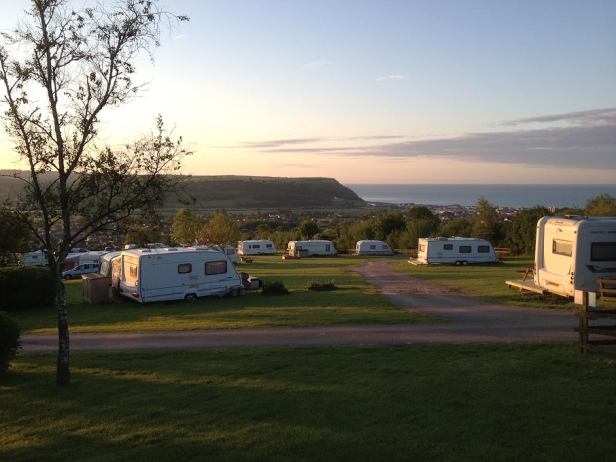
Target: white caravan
[(572, 253), (310, 248), (151, 275), (372, 247), (231, 253), (105, 260), (80, 258), (256, 247), (454, 250), (36, 258)]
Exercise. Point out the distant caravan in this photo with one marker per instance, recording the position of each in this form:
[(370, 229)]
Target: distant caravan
[(454, 251), (372, 247), (256, 247), (311, 248)]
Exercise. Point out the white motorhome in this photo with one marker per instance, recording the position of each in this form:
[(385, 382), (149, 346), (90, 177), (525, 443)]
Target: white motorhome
[(256, 247), (372, 247), (454, 250), (36, 258), (310, 248), (151, 275), (572, 253)]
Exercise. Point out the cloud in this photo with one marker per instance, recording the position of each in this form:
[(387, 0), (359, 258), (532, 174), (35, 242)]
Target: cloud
[(578, 147), (314, 64), (593, 116), (392, 77), (276, 143), (180, 37), (591, 144)]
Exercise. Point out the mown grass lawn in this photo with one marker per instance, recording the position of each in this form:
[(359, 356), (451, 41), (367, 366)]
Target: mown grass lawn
[(354, 302), (487, 282), (424, 403)]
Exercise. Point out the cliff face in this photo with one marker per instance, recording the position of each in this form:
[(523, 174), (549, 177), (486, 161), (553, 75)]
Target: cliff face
[(244, 191)]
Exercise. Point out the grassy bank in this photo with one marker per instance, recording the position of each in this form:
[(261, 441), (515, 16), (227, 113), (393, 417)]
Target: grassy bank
[(354, 302), (432, 403)]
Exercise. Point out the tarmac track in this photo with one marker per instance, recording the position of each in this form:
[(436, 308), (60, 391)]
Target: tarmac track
[(471, 321)]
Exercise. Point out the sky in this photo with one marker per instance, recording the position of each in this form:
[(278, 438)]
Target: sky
[(382, 91)]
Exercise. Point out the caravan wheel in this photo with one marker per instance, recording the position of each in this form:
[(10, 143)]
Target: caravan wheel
[(190, 297), (465, 263), (458, 263)]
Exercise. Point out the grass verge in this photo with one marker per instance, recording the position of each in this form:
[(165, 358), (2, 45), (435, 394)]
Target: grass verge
[(354, 302), (428, 403)]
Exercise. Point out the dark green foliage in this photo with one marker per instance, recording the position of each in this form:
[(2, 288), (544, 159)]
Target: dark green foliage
[(460, 227), (9, 341), (322, 286), (603, 205), (419, 212), (522, 233), (26, 287), (385, 223), (14, 232), (307, 229), (273, 288), (418, 228)]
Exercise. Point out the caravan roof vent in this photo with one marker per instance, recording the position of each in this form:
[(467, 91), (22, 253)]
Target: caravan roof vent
[(144, 250), (574, 217), (441, 238)]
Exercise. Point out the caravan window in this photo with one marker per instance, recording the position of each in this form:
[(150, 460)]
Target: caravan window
[(448, 247), (230, 251), (422, 247), (372, 247), (269, 246), (560, 247), (184, 268), (603, 251), (385, 247), (256, 246), (465, 249), (216, 267), (132, 271), (328, 247), (483, 249)]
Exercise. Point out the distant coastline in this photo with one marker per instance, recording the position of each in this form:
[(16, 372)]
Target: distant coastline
[(500, 195)]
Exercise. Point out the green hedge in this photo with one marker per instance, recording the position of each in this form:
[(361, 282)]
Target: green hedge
[(26, 287), (9, 341)]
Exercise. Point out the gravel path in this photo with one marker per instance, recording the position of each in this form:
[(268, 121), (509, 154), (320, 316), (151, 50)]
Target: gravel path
[(472, 321)]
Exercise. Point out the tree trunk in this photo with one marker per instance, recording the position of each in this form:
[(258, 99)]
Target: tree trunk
[(63, 373)]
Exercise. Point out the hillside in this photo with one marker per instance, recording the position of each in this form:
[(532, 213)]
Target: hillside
[(230, 191), (252, 192)]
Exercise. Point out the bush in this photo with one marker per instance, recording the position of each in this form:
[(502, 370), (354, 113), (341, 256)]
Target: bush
[(9, 341), (26, 287), (273, 288), (322, 286)]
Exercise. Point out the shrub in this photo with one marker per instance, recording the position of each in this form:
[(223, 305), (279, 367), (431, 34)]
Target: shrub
[(273, 288), (9, 341), (26, 287), (322, 286)]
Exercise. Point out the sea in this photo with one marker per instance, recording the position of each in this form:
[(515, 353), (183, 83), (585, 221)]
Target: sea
[(499, 195)]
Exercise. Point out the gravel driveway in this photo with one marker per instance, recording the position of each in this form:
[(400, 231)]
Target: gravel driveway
[(472, 321)]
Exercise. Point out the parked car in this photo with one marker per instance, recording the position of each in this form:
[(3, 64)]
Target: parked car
[(78, 270)]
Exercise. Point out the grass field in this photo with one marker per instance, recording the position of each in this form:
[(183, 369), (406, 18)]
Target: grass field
[(354, 302), (487, 282), (428, 403)]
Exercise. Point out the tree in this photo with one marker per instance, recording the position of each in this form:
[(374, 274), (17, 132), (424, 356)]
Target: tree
[(221, 229), (485, 222), (523, 232), (60, 69), (604, 205), (385, 223), (419, 212), (186, 226), (307, 229), (14, 232)]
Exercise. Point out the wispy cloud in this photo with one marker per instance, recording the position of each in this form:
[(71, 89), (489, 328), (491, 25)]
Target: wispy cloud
[(593, 116), (392, 77), (314, 64), (589, 144), (180, 37)]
